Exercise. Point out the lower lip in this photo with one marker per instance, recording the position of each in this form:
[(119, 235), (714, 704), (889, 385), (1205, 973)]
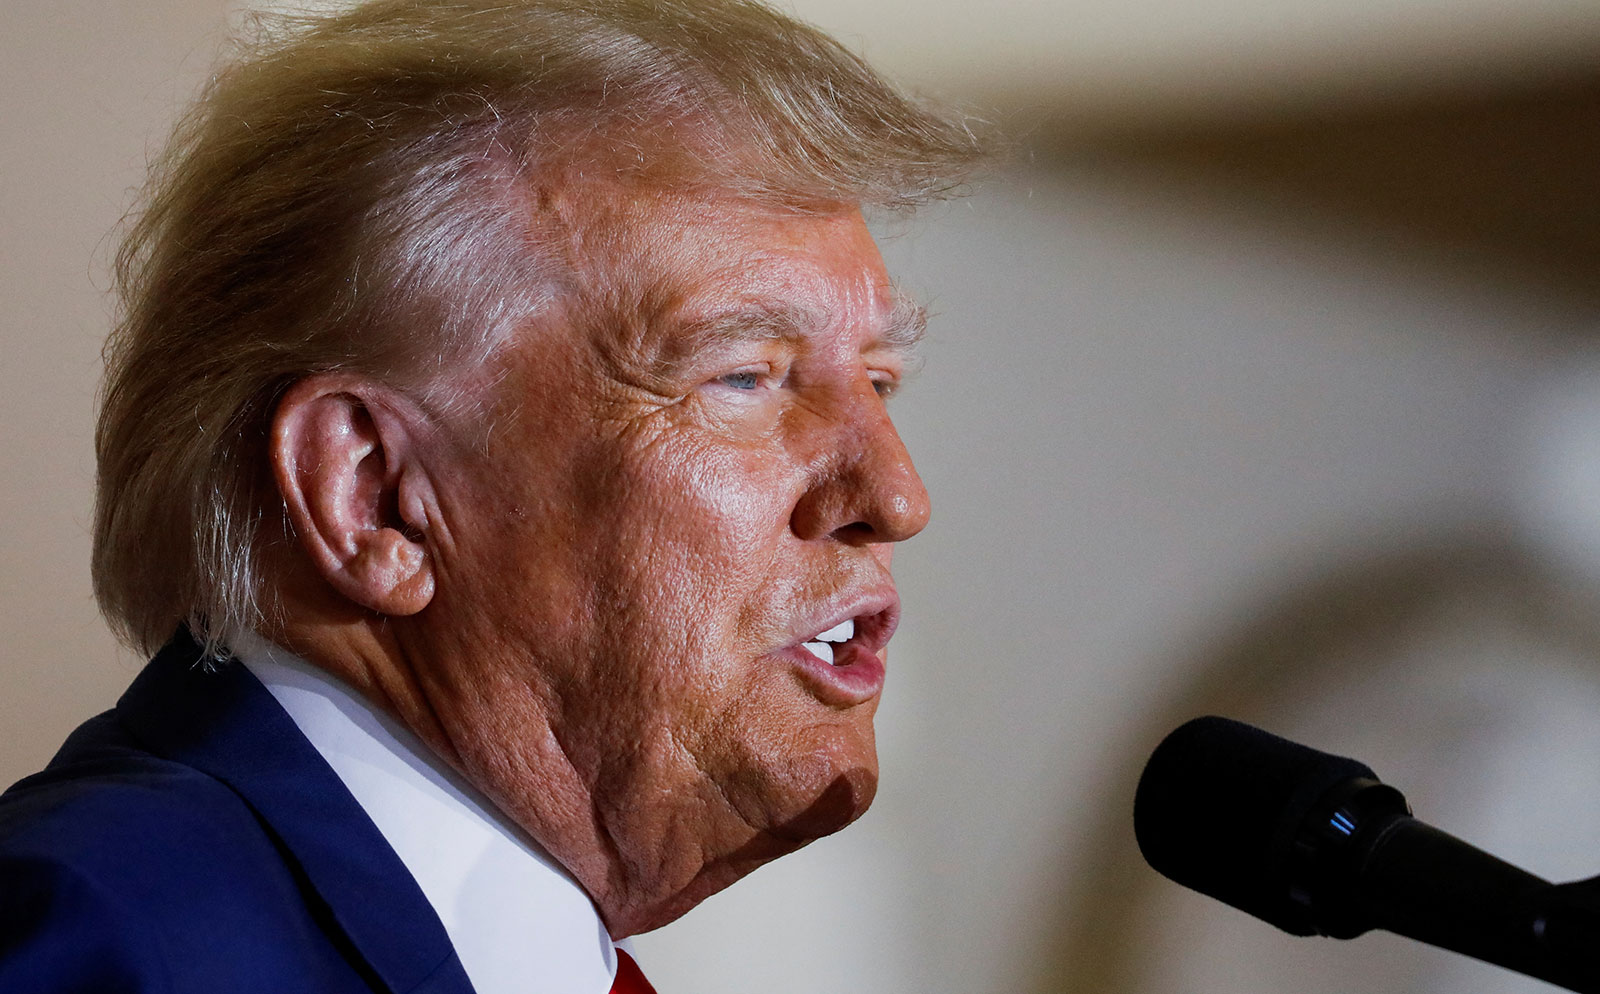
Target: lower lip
[(855, 679)]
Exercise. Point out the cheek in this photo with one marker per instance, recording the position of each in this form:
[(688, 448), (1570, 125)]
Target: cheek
[(706, 570), (695, 530)]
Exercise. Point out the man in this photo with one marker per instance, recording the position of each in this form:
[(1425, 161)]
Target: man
[(497, 416)]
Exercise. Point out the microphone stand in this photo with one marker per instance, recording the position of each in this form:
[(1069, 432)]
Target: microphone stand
[(1566, 927), (1361, 862)]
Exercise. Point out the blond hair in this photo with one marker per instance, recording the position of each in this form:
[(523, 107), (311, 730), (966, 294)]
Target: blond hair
[(355, 192)]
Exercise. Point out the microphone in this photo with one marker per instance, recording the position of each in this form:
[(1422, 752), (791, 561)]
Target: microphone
[(1316, 845)]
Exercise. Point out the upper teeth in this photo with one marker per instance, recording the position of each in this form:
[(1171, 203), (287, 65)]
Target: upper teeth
[(844, 631), (822, 645)]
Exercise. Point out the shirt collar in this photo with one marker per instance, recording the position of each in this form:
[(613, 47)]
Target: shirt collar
[(518, 921)]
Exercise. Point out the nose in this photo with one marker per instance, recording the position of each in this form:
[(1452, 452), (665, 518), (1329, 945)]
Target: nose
[(863, 488)]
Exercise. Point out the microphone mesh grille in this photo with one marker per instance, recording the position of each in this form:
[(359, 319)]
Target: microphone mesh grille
[(1218, 808)]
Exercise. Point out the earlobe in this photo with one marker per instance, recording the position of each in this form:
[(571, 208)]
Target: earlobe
[(390, 573), (344, 457)]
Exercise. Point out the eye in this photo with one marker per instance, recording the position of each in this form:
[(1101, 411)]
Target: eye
[(885, 386), (747, 379)]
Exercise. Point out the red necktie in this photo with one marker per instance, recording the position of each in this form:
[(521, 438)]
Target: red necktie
[(629, 979)]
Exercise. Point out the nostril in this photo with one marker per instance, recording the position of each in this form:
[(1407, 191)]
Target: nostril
[(856, 532)]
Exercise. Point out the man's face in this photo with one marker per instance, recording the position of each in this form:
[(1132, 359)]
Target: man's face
[(690, 479)]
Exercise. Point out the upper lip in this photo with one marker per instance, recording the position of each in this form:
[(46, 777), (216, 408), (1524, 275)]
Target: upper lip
[(875, 612)]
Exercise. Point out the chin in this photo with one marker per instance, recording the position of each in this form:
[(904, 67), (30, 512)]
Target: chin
[(822, 784), (828, 786), (825, 809), (845, 798)]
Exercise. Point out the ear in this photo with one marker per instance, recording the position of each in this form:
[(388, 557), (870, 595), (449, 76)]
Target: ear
[(346, 458)]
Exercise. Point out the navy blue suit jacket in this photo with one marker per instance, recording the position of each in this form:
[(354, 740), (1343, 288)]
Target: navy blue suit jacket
[(192, 841)]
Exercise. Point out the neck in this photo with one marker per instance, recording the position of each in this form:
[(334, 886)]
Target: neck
[(642, 865), (500, 742)]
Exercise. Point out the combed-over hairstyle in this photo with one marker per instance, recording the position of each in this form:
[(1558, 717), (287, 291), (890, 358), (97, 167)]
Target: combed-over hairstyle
[(356, 192)]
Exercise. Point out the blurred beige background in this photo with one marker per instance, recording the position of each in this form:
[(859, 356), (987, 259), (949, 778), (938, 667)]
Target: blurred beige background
[(1263, 379)]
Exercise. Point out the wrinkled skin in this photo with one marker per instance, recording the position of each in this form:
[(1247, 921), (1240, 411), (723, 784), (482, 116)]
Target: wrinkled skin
[(689, 469)]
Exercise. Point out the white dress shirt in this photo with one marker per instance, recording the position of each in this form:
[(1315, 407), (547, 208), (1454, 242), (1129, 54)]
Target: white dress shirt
[(518, 921)]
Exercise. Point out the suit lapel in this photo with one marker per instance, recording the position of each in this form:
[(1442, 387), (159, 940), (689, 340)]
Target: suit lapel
[(225, 724)]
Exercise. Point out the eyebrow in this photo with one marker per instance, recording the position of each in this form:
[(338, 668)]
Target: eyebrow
[(908, 322), (767, 322)]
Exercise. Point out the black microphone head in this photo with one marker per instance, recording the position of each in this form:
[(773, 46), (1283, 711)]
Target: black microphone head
[(1218, 809)]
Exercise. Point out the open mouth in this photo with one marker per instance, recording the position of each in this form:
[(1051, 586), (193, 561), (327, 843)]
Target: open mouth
[(843, 664), (828, 645)]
